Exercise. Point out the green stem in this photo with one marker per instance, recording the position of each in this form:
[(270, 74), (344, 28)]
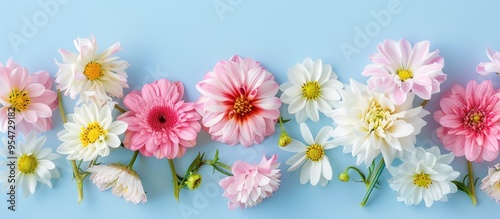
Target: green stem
[(281, 124), (120, 109), (424, 103), (61, 109), (363, 178), (373, 181), (471, 184), (132, 161), (174, 179)]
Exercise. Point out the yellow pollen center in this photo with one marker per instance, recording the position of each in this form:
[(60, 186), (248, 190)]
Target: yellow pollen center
[(92, 133), (422, 180), (315, 152), (241, 107), (404, 74), (27, 164), (311, 90), (19, 100), (376, 115), (476, 118), (92, 71)]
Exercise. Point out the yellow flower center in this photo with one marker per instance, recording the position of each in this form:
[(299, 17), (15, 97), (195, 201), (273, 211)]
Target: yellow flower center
[(422, 180), (476, 118), (376, 115), (92, 133), (404, 74), (241, 107), (19, 100), (27, 164), (311, 90), (93, 71), (315, 152)]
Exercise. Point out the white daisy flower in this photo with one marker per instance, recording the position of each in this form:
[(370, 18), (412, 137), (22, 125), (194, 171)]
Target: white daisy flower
[(90, 74), (491, 183), (425, 175), (90, 132), (316, 165), (124, 182), (33, 164), (312, 87), (369, 123)]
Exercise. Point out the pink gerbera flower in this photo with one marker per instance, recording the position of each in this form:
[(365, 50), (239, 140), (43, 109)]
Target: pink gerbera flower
[(250, 184), (160, 123), (398, 69), (469, 119), (485, 68), (238, 102), (28, 95)]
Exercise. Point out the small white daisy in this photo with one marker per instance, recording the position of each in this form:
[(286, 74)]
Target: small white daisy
[(316, 165), (425, 175), (90, 132), (90, 74), (124, 182), (34, 164), (312, 87), (491, 183)]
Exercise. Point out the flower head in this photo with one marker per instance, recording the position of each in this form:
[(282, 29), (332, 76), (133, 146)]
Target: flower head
[(485, 68), (124, 182), (250, 184), (28, 95), (424, 175), (470, 121), (160, 123), (34, 164), (368, 123), (312, 87), (194, 181), (491, 183), (315, 164), (398, 69), (90, 132), (238, 103), (92, 75)]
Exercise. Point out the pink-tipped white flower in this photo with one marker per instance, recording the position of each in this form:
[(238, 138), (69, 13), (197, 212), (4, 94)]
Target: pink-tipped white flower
[(250, 184), (399, 68), (485, 68), (28, 96), (491, 183), (238, 103)]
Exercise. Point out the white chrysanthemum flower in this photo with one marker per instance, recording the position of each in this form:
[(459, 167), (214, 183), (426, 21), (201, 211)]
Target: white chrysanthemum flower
[(34, 164), (316, 165), (124, 182), (90, 132), (491, 183), (425, 175), (312, 87), (92, 75), (369, 123)]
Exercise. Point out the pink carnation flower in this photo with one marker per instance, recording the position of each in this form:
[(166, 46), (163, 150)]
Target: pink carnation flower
[(30, 97), (250, 184), (469, 119), (485, 68), (160, 123), (238, 102), (398, 69)]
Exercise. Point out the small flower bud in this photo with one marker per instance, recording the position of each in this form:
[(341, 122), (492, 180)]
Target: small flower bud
[(344, 176), (193, 181), (284, 139)]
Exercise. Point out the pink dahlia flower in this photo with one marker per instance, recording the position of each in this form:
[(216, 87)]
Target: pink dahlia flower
[(160, 123), (238, 103), (30, 97), (250, 184), (398, 69), (485, 68), (470, 121)]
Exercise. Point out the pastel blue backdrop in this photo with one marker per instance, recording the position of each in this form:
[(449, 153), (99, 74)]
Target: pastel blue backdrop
[(182, 40)]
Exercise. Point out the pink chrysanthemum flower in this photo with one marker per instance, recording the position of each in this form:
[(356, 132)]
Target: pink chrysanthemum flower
[(398, 69), (491, 183), (469, 119), (30, 97), (250, 184), (160, 123), (485, 68), (238, 102)]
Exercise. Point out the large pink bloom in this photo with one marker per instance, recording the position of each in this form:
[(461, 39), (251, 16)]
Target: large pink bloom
[(398, 69), (238, 102), (485, 68), (29, 95), (250, 184), (160, 123), (469, 119)]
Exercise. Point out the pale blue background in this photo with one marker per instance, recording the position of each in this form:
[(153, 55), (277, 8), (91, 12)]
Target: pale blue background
[(182, 40)]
